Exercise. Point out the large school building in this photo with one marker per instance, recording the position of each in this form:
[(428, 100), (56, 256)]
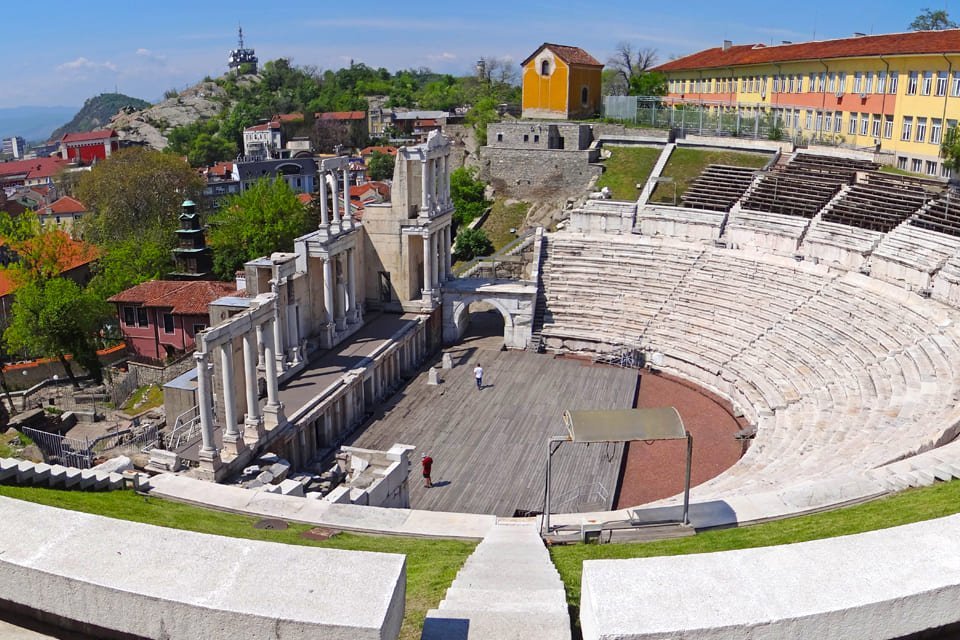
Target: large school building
[(898, 92)]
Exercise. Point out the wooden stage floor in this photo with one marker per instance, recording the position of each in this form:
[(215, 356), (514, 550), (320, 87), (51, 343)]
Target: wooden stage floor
[(489, 446)]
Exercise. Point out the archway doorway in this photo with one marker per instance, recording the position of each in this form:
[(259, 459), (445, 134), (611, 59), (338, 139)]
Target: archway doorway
[(481, 322)]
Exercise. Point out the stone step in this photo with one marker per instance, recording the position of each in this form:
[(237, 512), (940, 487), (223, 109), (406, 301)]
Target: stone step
[(534, 599), (494, 625)]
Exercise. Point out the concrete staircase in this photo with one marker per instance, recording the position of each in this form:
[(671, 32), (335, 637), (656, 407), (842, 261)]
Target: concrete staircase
[(507, 590), (57, 476)]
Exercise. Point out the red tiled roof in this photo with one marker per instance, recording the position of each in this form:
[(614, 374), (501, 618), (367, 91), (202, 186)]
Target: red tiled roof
[(86, 136), (288, 117), (65, 205), (34, 168), (273, 124), (184, 298), (570, 55), (342, 115), (913, 42), (305, 198), (388, 150)]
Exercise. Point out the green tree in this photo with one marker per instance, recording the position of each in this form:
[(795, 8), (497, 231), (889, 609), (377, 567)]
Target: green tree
[(380, 166), (929, 20), (467, 193), (129, 263), (136, 193), (648, 83), (950, 151), (54, 318), (265, 218), (483, 112), (471, 243)]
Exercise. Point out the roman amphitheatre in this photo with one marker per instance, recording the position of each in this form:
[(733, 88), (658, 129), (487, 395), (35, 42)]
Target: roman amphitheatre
[(809, 304)]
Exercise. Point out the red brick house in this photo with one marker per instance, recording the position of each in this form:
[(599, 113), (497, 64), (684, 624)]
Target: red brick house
[(33, 172), (160, 319), (90, 146)]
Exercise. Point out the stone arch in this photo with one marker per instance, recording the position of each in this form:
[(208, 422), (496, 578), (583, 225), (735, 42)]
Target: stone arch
[(455, 313)]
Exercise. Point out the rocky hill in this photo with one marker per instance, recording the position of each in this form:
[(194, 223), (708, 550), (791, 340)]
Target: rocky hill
[(97, 111), (149, 125)]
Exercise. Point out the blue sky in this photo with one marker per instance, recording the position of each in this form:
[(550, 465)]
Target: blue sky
[(72, 50)]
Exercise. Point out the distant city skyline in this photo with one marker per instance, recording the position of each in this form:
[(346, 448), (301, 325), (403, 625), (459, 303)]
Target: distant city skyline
[(77, 50)]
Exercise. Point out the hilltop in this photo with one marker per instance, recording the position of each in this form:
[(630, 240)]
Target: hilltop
[(150, 124), (97, 111)]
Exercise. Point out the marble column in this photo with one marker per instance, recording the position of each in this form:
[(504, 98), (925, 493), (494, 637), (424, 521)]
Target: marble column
[(435, 258), (273, 412), (448, 253), (328, 288), (427, 265), (232, 440), (346, 195), (324, 207), (209, 457), (253, 424), (445, 181), (425, 187), (335, 199), (340, 295), (281, 360), (353, 314)]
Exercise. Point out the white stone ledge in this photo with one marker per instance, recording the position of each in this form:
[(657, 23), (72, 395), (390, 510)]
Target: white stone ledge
[(155, 582), (882, 584)]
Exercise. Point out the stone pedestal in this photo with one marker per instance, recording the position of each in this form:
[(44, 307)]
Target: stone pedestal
[(433, 377), (447, 361), (233, 445), (253, 430), (273, 416), (210, 465), (327, 335)]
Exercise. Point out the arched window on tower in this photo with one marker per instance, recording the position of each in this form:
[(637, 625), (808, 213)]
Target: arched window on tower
[(544, 67), (584, 96)]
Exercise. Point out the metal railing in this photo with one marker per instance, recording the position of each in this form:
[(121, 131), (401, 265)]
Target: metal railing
[(81, 453), (514, 247), (186, 430)]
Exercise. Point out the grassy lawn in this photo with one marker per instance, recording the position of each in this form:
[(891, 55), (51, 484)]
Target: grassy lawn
[(626, 168), (502, 218), (685, 165), (914, 505), (900, 172), (431, 564), (146, 397)]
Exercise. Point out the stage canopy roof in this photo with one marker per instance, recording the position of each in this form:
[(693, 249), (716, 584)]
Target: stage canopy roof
[(619, 425)]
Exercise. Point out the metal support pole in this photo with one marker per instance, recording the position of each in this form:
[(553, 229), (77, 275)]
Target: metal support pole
[(686, 484), (546, 506)]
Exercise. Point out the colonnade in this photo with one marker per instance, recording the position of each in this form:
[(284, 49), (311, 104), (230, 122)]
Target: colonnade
[(437, 257), (256, 326), (435, 185)]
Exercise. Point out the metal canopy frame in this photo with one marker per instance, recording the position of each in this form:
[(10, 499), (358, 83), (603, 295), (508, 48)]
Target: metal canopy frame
[(621, 425)]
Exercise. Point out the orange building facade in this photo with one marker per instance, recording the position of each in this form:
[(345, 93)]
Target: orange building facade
[(561, 82)]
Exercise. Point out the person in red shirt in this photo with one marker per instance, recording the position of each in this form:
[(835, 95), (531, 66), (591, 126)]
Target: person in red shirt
[(427, 463)]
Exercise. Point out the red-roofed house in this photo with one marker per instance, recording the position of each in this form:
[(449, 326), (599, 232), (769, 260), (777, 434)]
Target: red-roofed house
[(263, 140), (63, 214), (346, 128), (36, 171), (89, 146), (561, 82), (366, 152), (161, 318)]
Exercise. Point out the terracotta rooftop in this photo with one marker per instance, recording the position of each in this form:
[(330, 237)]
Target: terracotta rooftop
[(273, 124), (184, 298), (570, 55), (86, 136), (342, 115), (34, 168), (388, 150), (910, 43), (65, 205)]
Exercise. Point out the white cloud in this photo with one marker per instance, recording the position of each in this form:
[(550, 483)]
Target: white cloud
[(82, 63), (446, 56), (150, 56)]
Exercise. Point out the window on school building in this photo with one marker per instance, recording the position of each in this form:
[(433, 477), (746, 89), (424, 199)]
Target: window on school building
[(945, 171), (838, 123), (955, 84), (822, 82), (888, 127), (941, 83), (931, 168), (828, 121), (868, 83), (912, 83), (852, 130), (881, 81), (936, 130), (894, 79), (819, 121), (916, 165), (808, 121), (841, 82), (857, 82), (832, 83), (875, 123), (907, 131), (902, 163), (864, 124), (921, 129), (927, 85)]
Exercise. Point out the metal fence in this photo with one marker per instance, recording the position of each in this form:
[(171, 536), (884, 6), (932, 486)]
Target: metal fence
[(797, 123), (81, 452)]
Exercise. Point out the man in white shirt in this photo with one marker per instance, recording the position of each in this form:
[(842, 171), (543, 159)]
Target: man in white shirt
[(478, 374)]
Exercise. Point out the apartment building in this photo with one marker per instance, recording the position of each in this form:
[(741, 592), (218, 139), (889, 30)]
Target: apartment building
[(898, 93)]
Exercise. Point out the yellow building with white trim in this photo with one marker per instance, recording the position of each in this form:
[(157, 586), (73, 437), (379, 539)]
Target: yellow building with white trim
[(898, 93), (561, 82)]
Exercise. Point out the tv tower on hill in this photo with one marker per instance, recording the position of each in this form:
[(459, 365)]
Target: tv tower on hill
[(241, 59)]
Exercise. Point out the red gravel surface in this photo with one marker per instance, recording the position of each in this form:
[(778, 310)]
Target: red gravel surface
[(656, 470)]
